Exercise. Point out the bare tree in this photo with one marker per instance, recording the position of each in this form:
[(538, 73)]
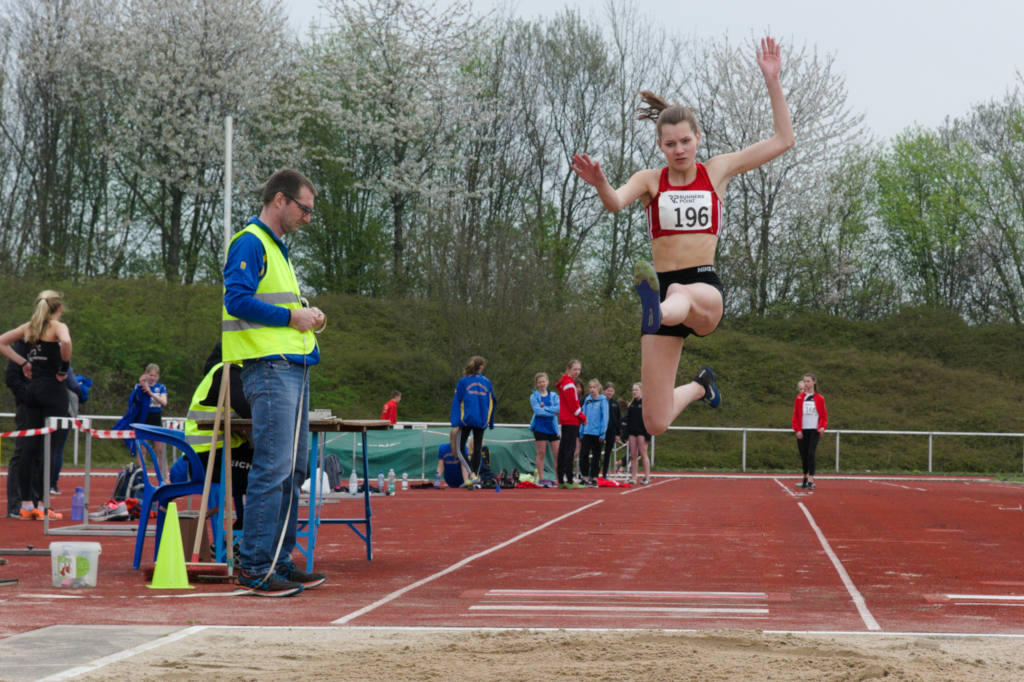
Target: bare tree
[(996, 132), (761, 241)]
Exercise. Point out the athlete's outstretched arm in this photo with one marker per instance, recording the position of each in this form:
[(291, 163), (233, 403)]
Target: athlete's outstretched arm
[(725, 166), (613, 199)]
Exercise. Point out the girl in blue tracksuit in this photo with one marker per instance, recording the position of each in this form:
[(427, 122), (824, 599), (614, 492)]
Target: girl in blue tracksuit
[(544, 422), (595, 408), (473, 408)]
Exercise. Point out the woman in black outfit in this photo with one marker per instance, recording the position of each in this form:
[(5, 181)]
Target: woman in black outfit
[(638, 436), (45, 364), (614, 433)]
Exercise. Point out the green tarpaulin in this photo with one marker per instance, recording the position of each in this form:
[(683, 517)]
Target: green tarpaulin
[(415, 451)]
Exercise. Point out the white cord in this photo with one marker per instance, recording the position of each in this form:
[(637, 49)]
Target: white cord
[(295, 456)]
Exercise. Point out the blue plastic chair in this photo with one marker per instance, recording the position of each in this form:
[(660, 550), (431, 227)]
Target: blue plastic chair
[(162, 493)]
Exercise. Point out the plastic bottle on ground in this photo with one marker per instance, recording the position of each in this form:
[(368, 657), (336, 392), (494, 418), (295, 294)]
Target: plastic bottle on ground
[(391, 482), (437, 480), (381, 486), (78, 505), (353, 483), (405, 481)]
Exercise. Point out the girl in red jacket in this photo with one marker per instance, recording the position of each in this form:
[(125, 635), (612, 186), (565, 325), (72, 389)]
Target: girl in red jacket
[(570, 416), (809, 422)]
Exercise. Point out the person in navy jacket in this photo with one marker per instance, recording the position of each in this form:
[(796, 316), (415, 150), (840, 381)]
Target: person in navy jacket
[(473, 407)]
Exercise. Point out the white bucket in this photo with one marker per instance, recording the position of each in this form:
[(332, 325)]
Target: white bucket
[(74, 564)]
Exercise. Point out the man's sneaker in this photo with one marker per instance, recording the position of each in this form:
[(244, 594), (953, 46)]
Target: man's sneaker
[(54, 516), (706, 378), (290, 572), (111, 511), (54, 491), (802, 484), (263, 586), (30, 514), (810, 485), (646, 281)]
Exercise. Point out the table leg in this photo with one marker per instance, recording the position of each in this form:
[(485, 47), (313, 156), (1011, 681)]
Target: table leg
[(366, 499)]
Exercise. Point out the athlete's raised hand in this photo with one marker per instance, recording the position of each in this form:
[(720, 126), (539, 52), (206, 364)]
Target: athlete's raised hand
[(769, 58), (588, 169)]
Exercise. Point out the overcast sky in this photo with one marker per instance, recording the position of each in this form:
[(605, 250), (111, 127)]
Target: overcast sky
[(905, 62)]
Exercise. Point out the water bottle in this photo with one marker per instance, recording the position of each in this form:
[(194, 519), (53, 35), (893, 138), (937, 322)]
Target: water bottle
[(380, 483), (78, 505), (353, 483), (437, 480), (391, 481), (405, 481)]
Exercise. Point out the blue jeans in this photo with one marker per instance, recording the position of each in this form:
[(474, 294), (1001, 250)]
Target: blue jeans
[(273, 389)]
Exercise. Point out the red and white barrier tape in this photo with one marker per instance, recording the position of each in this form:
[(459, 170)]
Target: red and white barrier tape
[(27, 432), (107, 433)]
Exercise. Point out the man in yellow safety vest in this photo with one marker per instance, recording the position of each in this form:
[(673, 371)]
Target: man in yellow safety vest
[(266, 327)]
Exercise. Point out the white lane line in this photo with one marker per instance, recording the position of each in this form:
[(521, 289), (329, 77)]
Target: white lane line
[(858, 599), (615, 609), (456, 566), (625, 594), (785, 487), (897, 485), (122, 655), (992, 597), (639, 486), (202, 595)]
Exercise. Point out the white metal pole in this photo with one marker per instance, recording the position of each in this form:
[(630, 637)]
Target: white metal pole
[(227, 183)]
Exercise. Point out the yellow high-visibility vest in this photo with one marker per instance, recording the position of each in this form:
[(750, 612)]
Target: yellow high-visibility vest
[(245, 340), (198, 438)]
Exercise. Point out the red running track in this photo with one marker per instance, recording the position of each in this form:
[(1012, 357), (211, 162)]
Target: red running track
[(857, 555)]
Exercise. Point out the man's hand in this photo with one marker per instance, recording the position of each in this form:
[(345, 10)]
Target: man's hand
[(305, 319)]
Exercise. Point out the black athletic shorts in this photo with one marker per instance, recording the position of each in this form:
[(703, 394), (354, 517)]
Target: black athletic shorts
[(701, 273), (539, 435)]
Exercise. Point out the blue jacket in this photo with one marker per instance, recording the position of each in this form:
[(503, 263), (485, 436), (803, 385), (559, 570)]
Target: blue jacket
[(596, 410), (545, 413), (473, 403)]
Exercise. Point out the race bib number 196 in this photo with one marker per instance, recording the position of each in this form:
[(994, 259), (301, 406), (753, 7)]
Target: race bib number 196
[(685, 210)]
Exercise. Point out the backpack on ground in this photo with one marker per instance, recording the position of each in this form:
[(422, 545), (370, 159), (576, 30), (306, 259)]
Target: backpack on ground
[(333, 470), (130, 482)]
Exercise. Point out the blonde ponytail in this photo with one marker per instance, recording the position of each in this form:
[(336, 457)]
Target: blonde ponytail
[(47, 304)]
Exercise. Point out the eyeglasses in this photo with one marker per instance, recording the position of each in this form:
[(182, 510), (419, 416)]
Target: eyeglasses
[(306, 210)]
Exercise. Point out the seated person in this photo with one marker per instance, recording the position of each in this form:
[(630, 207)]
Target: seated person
[(453, 471), (203, 406)]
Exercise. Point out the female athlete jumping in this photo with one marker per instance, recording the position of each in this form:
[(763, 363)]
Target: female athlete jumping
[(681, 294)]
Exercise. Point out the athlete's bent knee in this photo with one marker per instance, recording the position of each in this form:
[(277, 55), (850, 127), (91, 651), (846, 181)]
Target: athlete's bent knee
[(654, 425)]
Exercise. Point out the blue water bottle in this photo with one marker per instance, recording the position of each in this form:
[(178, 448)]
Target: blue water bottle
[(78, 505)]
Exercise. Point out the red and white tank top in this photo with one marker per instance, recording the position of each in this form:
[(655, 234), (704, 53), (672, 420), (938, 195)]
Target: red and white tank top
[(691, 209)]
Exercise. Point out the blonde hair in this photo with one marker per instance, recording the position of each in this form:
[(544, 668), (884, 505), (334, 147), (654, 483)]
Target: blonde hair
[(662, 113), (152, 368), (538, 375), (46, 306), (594, 382)]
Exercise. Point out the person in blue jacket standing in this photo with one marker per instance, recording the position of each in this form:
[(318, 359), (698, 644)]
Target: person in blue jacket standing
[(595, 408), (544, 422), (473, 407)]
